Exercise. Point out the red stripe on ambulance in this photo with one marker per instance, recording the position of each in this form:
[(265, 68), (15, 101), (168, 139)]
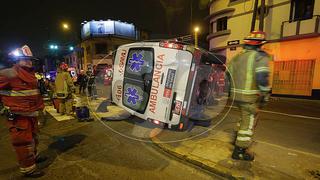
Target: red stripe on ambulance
[(122, 61), (156, 83)]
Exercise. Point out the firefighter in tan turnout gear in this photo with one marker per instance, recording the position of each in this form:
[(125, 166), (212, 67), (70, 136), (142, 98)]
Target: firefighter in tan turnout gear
[(64, 88), (249, 73)]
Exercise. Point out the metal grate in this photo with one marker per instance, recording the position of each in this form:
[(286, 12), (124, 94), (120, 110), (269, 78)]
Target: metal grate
[(293, 77)]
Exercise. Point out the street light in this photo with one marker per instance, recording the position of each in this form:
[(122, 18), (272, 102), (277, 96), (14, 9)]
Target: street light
[(196, 30), (65, 26)]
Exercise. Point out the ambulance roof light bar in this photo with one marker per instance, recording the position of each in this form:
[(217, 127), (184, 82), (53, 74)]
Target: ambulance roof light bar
[(172, 44)]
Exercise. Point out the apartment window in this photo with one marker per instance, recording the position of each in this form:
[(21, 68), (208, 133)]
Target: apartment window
[(222, 23), (301, 9), (101, 48)]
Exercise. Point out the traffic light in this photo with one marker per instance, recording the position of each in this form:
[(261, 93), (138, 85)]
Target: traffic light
[(71, 48)]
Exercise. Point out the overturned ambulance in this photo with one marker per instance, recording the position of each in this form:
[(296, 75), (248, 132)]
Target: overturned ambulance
[(168, 83)]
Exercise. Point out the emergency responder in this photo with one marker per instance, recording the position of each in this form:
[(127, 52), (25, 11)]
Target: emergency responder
[(63, 89), (23, 101), (92, 91), (82, 81), (249, 74)]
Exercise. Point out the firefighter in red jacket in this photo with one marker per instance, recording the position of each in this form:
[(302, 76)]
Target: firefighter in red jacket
[(21, 97)]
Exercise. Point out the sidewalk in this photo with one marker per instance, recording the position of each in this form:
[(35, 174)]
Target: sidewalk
[(212, 152)]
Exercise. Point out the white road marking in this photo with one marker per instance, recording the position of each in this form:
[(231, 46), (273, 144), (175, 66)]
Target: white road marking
[(53, 112), (285, 114), (291, 115), (289, 149)]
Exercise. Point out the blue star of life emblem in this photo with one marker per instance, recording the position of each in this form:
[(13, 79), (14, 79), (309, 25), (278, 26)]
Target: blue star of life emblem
[(132, 95), (136, 62)]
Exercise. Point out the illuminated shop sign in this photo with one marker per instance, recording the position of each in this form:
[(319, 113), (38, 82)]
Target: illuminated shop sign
[(109, 27)]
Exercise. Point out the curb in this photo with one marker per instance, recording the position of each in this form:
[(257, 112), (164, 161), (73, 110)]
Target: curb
[(214, 168)]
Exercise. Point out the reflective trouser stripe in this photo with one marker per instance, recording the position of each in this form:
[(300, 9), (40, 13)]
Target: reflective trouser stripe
[(249, 77), (245, 132), (239, 138), (31, 92), (29, 169), (251, 122), (244, 136), (262, 69), (264, 88), (242, 91)]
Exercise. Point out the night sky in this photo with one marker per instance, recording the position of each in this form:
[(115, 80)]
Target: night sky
[(35, 22)]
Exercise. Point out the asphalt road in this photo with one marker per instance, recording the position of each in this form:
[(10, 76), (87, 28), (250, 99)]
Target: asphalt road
[(90, 150), (122, 149)]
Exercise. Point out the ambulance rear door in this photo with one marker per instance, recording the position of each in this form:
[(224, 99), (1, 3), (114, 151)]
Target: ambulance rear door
[(137, 79)]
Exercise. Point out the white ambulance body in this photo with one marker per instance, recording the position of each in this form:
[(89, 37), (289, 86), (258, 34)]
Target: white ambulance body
[(160, 81)]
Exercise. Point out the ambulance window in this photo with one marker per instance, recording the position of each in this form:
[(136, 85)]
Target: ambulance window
[(211, 58), (138, 78), (134, 96), (139, 63)]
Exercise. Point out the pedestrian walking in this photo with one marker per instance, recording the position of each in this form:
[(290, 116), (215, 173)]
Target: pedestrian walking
[(23, 101), (63, 89), (249, 73)]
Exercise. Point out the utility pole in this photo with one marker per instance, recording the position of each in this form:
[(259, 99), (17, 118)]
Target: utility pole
[(254, 15), (261, 17)]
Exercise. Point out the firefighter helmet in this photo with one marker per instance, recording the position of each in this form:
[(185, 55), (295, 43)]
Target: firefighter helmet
[(22, 53), (64, 66), (255, 38)]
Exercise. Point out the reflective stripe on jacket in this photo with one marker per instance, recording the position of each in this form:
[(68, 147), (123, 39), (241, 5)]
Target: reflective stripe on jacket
[(243, 69), (63, 84), (20, 93)]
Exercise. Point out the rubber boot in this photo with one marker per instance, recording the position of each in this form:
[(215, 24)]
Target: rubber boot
[(242, 154), (34, 174), (234, 137), (40, 159)]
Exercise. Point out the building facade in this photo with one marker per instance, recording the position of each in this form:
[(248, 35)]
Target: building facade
[(101, 38), (293, 33)]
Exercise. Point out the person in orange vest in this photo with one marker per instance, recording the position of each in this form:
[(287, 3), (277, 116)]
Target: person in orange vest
[(23, 101)]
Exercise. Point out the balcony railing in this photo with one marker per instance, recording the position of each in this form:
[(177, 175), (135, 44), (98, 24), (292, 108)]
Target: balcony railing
[(296, 29)]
